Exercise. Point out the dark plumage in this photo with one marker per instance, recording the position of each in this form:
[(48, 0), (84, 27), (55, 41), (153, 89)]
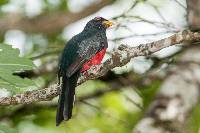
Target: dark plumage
[(80, 53)]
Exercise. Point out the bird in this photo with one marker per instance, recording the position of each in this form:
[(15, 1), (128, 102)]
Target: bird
[(81, 52)]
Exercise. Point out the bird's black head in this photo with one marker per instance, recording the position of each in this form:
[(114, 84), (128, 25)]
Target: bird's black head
[(98, 23)]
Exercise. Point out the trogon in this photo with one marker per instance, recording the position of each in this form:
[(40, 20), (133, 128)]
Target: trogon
[(81, 52)]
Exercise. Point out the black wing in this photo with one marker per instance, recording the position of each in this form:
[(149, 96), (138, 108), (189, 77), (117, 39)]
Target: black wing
[(84, 57)]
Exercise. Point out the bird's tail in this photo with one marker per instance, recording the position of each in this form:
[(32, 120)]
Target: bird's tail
[(66, 98)]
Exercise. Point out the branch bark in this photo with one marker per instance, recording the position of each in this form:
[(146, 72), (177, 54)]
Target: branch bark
[(47, 23), (119, 58)]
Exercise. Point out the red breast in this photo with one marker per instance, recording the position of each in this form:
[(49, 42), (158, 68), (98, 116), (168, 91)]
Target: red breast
[(95, 60)]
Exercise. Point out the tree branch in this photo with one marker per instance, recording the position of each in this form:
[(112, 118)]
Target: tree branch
[(119, 58), (48, 23)]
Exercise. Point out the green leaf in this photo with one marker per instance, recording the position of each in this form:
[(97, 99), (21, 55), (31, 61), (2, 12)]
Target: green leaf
[(10, 62), (5, 129)]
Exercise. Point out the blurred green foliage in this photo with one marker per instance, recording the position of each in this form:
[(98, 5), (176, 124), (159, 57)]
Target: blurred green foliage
[(5, 129), (193, 123), (2, 2)]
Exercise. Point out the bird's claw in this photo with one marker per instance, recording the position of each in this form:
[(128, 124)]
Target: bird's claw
[(94, 70)]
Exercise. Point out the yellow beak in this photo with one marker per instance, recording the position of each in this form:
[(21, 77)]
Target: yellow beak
[(107, 23)]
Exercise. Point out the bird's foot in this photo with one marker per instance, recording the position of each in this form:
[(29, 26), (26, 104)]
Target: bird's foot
[(94, 70), (85, 73)]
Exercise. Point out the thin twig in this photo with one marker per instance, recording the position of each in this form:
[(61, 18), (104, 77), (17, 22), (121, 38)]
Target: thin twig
[(180, 4)]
